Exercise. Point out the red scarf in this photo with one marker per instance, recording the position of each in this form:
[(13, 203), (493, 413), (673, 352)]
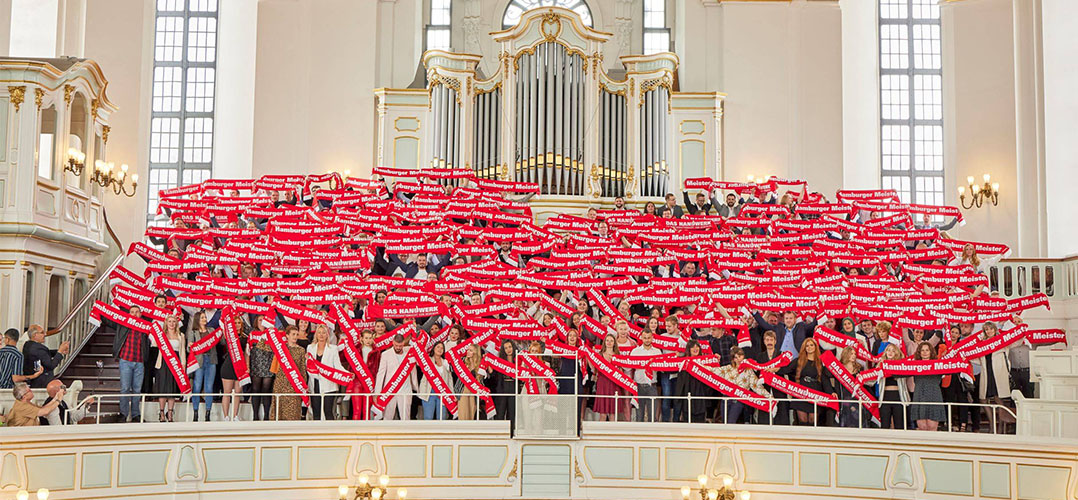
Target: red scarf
[(851, 383), (235, 350), (469, 380), (1048, 336), (200, 347), (394, 384), (798, 391), (728, 388), (339, 377), (434, 377)]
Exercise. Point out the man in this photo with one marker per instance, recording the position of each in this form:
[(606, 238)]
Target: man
[(671, 203), (645, 379), (619, 203), (700, 207), (36, 355), (731, 208), (11, 362), (387, 366), (790, 334), (24, 413), (62, 415), (130, 347)]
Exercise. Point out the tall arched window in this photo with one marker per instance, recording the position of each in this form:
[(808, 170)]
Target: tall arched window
[(439, 23), (911, 100), (182, 105), (518, 7)]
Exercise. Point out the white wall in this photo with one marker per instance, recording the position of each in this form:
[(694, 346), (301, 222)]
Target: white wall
[(860, 95), (34, 28), (237, 41), (1060, 24)]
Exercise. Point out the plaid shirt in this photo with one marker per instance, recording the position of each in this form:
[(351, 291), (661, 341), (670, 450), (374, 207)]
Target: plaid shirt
[(132, 348)]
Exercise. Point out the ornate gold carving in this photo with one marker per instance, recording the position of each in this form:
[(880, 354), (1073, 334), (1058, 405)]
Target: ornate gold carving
[(497, 86), (105, 129), (652, 84), (513, 471), (577, 473), (16, 95), (39, 97), (468, 85), (94, 104), (550, 18), (604, 88), (596, 59), (448, 81), (630, 179), (69, 93), (569, 51), (504, 171)]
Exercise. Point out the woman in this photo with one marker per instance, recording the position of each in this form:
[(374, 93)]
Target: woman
[(504, 386), (304, 333), (604, 386), (649, 209), (203, 378), (745, 379), (327, 354), (367, 355), (473, 358), (994, 386), (848, 328), (927, 390), (164, 381), (433, 407), (261, 360), (915, 337), (536, 405), (849, 414), (625, 343), (883, 339), (455, 336), (288, 407), (892, 411), (810, 373), (954, 389), (688, 385), (654, 326)]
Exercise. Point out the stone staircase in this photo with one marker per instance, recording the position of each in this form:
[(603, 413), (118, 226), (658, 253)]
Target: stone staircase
[(99, 373)]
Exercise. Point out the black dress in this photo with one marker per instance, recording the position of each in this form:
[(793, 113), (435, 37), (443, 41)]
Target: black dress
[(687, 384), (813, 380)]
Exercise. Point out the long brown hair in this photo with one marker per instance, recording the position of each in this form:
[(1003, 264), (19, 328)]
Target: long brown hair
[(802, 358)]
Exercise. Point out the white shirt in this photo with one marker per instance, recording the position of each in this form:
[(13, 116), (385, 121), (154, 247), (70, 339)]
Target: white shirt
[(641, 376)]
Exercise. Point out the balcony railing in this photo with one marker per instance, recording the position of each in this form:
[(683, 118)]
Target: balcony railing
[(1056, 278)]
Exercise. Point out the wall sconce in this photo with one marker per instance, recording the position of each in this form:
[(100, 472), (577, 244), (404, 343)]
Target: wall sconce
[(726, 492), (105, 176), (76, 161), (989, 192)]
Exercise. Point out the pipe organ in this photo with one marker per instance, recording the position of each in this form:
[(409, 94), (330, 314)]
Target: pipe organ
[(551, 114)]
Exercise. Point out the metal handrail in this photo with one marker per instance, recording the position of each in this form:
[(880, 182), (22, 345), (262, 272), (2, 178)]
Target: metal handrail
[(75, 328)]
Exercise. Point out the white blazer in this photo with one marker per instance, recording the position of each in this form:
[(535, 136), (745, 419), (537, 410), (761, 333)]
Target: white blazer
[(331, 358)]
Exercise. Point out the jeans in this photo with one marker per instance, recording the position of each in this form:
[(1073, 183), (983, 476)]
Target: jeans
[(732, 415), (203, 383), (646, 411), (666, 383), (434, 406), (130, 383)]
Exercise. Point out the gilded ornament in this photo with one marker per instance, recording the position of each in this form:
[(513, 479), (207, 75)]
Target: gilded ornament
[(94, 104), (550, 18), (513, 471), (105, 133), (69, 93), (16, 95), (39, 97)]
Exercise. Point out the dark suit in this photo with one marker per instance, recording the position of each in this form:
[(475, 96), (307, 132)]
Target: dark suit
[(33, 352), (692, 208), (801, 331)]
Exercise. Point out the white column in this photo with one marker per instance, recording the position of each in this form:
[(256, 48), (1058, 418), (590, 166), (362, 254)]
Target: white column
[(860, 95), (1060, 23), (237, 43), (34, 28), (1029, 121)]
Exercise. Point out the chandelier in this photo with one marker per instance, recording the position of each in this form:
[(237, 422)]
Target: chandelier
[(106, 176), (365, 491), (980, 195), (76, 161), (726, 492)]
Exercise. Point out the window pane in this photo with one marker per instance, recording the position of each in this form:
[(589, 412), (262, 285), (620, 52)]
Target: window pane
[(202, 39), (166, 88), (894, 46), (518, 7), (203, 6), (168, 39), (438, 39), (893, 9), (929, 147), (656, 41), (164, 140), (198, 140), (928, 92), (896, 147), (927, 46), (895, 97), (200, 90)]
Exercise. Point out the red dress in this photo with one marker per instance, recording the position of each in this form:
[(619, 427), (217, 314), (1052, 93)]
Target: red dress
[(606, 387), (360, 404)]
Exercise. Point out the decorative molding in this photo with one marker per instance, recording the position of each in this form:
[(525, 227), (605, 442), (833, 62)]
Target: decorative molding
[(39, 97), (105, 129), (69, 93), (16, 94)]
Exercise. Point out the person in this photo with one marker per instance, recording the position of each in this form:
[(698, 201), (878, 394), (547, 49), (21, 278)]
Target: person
[(667, 380), (731, 208), (62, 415), (810, 373), (370, 359), (768, 353), (505, 386), (671, 203), (927, 390), (791, 333), (466, 407), (619, 203), (11, 362), (24, 413), (994, 385), (229, 379), (605, 405), (645, 379), (878, 343), (165, 383), (745, 379), (35, 354), (206, 374), (701, 206), (387, 366), (571, 382), (649, 209), (849, 414), (130, 348), (894, 395), (259, 361), (433, 406), (285, 405), (327, 354), (688, 386)]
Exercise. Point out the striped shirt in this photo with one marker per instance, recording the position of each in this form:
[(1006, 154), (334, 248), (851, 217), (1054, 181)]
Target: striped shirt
[(10, 364)]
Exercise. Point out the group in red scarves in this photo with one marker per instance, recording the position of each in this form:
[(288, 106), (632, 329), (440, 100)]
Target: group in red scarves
[(751, 302)]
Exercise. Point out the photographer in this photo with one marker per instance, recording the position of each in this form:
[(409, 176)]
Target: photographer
[(24, 412)]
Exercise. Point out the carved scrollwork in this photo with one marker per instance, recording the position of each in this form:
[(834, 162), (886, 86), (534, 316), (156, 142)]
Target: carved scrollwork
[(16, 95)]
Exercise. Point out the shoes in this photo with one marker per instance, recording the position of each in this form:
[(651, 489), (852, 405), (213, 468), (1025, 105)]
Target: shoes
[(227, 418), (207, 415)]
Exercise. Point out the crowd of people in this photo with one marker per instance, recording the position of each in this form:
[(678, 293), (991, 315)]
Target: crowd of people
[(439, 297)]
